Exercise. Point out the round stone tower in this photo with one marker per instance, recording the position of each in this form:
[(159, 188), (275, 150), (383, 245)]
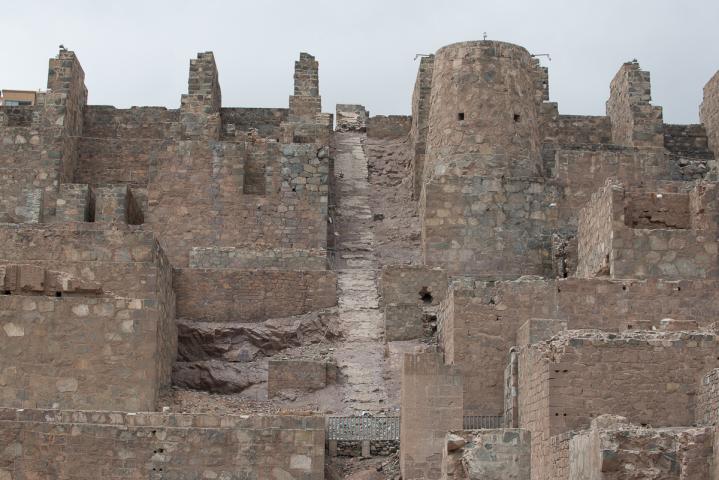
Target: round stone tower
[(484, 110)]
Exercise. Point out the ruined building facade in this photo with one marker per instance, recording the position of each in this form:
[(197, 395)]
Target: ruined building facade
[(484, 262)]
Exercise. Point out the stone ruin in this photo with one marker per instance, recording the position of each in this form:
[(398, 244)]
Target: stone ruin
[(496, 290)]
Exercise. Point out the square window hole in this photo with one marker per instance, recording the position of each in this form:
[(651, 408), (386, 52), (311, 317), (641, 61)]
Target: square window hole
[(517, 117), (460, 116)]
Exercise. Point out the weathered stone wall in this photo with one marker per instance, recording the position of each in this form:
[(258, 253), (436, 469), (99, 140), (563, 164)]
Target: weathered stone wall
[(484, 110), (404, 321), (200, 106), (292, 212), (478, 323), (420, 121), (582, 171), (560, 130), (38, 156), (642, 234), (412, 284), (688, 154), (502, 454), (230, 295), (707, 403), (267, 121), (303, 375), (351, 117), (92, 445), (124, 145), (651, 378), (253, 258), (431, 398), (488, 227), (635, 122), (389, 126), (84, 353), (613, 449), (709, 112)]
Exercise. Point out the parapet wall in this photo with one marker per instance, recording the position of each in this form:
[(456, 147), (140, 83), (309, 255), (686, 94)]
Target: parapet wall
[(390, 126), (129, 446)]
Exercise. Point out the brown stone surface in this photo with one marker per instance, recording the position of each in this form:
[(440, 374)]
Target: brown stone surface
[(502, 454), (431, 406), (614, 449), (154, 445)]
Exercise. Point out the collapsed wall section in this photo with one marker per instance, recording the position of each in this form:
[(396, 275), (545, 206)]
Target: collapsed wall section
[(651, 378), (153, 445)]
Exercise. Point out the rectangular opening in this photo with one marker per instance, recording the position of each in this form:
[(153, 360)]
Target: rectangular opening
[(460, 116), (517, 117)]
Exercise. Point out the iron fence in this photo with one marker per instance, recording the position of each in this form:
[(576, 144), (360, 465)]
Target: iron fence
[(363, 428), (476, 422)]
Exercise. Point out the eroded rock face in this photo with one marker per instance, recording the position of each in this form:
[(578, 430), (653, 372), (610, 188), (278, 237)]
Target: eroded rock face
[(228, 357), (232, 342), (216, 376)]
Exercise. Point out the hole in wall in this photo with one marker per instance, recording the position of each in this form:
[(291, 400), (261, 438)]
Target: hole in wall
[(624, 287), (6, 292), (58, 294), (629, 327), (425, 295), (517, 118), (460, 116)]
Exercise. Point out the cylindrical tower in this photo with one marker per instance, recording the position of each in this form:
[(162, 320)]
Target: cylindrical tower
[(484, 110)]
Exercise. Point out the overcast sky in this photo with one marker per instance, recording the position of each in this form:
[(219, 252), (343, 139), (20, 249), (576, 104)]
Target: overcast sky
[(137, 52)]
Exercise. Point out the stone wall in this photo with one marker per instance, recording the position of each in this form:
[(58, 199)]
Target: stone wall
[(267, 121), (420, 121), (404, 321), (651, 378), (613, 449), (412, 284), (291, 213), (200, 106), (487, 227), (124, 145), (641, 234), (229, 295), (303, 375), (502, 454), (709, 112), (484, 110), (688, 152), (635, 122), (351, 117), (252, 258), (174, 446), (431, 399), (84, 353), (707, 403), (389, 126), (478, 324)]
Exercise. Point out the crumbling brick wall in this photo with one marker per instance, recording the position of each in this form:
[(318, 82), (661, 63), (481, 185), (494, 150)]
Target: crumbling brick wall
[(501, 454), (153, 445)]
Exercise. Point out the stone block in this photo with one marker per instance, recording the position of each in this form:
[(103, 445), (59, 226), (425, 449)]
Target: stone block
[(500, 454), (403, 322)]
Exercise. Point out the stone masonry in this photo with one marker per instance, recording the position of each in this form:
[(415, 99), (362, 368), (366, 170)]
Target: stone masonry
[(510, 292)]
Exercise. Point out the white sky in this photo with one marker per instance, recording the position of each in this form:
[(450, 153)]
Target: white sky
[(137, 52)]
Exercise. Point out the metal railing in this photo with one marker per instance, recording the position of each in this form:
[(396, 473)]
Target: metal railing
[(363, 428), (476, 422)]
